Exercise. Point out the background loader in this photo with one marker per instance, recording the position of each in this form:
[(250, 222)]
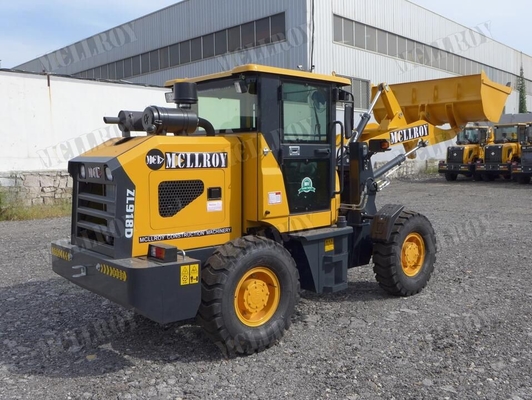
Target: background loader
[(505, 153), (231, 201), (522, 172), (469, 149), (522, 168)]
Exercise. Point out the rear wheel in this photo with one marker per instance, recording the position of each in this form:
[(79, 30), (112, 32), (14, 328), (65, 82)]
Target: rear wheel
[(523, 179), (404, 264), (450, 176), (250, 287)]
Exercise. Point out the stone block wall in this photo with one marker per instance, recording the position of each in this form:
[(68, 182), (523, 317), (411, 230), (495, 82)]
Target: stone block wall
[(35, 187)]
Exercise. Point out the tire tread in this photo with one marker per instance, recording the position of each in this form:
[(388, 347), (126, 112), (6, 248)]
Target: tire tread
[(215, 274), (387, 264)]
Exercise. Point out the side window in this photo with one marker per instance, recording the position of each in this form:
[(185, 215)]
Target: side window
[(305, 113)]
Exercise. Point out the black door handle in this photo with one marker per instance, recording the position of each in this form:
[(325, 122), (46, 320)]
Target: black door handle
[(325, 151)]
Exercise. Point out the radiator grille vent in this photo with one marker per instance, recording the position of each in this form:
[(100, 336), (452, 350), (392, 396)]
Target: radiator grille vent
[(176, 195)]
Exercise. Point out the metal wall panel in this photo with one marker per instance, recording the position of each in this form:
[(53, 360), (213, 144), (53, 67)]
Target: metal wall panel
[(182, 21), (417, 23), (276, 56), (377, 69), (192, 18)]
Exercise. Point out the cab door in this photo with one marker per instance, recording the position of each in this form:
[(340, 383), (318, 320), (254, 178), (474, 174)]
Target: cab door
[(307, 151)]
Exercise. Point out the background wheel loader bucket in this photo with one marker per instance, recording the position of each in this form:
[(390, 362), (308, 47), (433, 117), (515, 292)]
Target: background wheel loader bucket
[(455, 100)]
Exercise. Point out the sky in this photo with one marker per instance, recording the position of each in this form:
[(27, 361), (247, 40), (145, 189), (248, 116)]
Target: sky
[(32, 28)]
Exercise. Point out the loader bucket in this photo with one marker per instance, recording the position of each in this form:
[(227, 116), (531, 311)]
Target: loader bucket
[(455, 100)]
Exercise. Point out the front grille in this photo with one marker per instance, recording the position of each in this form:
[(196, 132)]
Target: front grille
[(95, 213), (455, 155), (176, 195), (526, 158), (493, 154)]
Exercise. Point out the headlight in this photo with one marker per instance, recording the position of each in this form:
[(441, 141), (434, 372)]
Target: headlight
[(82, 172), (108, 174)]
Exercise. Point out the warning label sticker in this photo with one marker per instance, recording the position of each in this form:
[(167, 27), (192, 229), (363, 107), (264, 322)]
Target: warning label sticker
[(274, 198), (185, 275), (189, 274)]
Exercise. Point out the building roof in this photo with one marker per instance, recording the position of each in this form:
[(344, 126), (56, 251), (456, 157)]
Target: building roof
[(515, 118)]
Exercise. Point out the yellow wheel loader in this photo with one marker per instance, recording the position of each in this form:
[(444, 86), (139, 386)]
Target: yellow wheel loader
[(230, 202), (522, 172), (468, 151), (522, 166), (503, 157)]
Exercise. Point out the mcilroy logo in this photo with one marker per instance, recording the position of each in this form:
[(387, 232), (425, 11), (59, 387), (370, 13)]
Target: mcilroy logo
[(408, 134), (195, 160), (94, 172), (155, 159)]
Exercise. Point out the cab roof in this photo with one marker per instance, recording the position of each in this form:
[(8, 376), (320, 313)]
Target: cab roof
[(263, 69), (513, 124)]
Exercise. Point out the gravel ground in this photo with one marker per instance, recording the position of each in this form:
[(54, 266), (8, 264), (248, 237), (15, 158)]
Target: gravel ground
[(468, 335)]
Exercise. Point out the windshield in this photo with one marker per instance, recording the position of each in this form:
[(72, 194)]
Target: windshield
[(225, 108), (505, 134), (469, 135), (528, 135)]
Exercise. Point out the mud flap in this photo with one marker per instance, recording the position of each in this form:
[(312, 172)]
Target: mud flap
[(383, 222)]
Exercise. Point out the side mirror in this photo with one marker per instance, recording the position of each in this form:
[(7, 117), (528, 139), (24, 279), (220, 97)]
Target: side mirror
[(241, 86), (349, 120)]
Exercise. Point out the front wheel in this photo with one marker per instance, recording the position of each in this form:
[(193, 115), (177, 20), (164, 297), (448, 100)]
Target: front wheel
[(523, 179), (488, 177), (404, 264), (450, 176), (250, 287)]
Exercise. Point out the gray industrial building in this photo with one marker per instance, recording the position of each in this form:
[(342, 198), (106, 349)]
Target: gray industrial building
[(371, 41)]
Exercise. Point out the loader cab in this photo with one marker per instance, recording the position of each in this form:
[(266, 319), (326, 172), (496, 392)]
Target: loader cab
[(287, 124), (508, 133), (470, 135), (525, 138)]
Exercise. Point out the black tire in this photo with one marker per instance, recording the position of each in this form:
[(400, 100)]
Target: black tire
[(523, 179), (507, 177), (450, 176), (488, 177), (224, 271), (477, 177), (390, 273)]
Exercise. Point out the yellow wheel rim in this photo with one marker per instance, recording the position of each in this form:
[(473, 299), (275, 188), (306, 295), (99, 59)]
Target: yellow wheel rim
[(413, 254), (257, 296)]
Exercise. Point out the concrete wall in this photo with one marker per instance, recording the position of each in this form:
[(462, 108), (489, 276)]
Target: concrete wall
[(47, 120)]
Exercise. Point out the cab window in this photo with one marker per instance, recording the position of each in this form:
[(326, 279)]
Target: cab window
[(305, 113)]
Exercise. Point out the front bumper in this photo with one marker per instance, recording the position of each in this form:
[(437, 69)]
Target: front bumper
[(522, 170), (456, 168), (493, 168), (162, 292)]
